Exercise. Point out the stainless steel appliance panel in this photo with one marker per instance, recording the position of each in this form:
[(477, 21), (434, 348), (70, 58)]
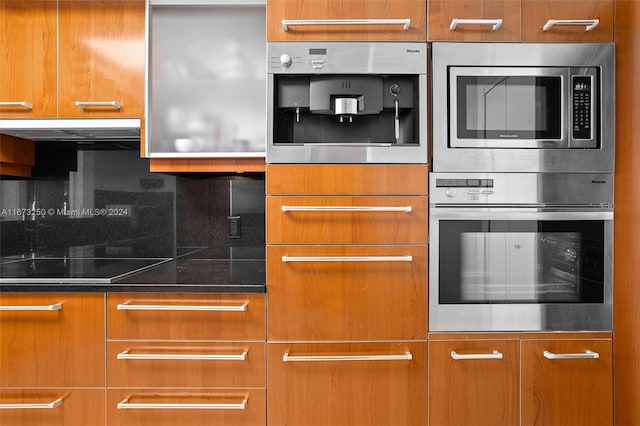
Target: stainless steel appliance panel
[(562, 124)]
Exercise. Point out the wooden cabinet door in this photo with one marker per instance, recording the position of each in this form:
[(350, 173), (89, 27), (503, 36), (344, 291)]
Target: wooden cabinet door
[(313, 10), (536, 14), (101, 58), (347, 292), (346, 384), (52, 340), (575, 388), (27, 58), (474, 383), (474, 20), (52, 407)]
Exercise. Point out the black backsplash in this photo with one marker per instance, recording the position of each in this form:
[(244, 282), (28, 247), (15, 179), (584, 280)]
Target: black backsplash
[(110, 205)]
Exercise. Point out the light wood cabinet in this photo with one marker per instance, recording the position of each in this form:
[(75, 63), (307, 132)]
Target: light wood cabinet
[(474, 382), (345, 384), (28, 84), (474, 20), (567, 20), (52, 407), (296, 20), (101, 58), (520, 379), (17, 156), (52, 340)]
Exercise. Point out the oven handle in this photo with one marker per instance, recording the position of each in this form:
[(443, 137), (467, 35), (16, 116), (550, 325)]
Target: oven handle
[(406, 22), (489, 213)]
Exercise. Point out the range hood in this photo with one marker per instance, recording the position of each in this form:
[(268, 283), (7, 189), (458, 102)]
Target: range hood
[(82, 129)]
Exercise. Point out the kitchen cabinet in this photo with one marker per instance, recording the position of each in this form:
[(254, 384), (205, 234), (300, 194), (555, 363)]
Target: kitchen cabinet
[(28, 82), (567, 20), (347, 275), (520, 379), (186, 358), (52, 365), (17, 156), (474, 20), (355, 20)]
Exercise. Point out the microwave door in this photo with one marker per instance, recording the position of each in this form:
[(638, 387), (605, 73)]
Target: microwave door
[(500, 107)]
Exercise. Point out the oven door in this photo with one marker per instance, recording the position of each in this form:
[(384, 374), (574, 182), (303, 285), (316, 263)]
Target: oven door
[(499, 107), (518, 269)]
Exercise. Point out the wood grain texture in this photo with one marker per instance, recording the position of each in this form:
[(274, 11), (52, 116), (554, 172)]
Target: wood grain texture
[(347, 393), (626, 290), (17, 151), (535, 13), (347, 179), (101, 57), (441, 12), (566, 391), (277, 10), (195, 165), (347, 300), (28, 57), (474, 392), (79, 407), (52, 348), (186, 325)]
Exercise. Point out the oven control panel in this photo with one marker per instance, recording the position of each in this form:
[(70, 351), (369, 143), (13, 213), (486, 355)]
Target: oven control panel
[(471, 189), (582, 106)]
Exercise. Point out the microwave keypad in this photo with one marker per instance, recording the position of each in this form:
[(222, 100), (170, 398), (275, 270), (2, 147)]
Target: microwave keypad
[(582, 107)]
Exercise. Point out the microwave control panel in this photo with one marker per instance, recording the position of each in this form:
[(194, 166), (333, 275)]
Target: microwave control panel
[(582, 106)]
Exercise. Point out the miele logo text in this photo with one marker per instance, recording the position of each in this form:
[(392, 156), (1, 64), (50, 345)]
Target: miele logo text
[(413, 50), (598, 181)]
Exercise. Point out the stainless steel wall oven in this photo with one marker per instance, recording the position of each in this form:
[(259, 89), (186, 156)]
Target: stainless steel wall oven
[(347, 102), (518, 107), (520, 252)]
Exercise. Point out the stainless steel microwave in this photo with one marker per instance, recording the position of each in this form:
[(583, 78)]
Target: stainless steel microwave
[(523, 107)]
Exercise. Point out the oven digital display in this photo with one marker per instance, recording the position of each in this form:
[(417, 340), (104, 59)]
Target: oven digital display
[(317, 51), (464, 183)]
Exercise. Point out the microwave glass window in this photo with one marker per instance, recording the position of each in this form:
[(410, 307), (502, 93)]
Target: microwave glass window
[(521, 261), (509, 107)]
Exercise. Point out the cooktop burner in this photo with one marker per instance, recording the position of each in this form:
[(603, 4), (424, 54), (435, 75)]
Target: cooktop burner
[(71, 270)]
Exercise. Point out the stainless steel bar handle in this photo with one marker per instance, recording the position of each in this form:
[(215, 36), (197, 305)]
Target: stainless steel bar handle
[(330, 358), (347, 258), (405, 209), (84, 105), (125, 404), (23, 104), (54, 307), (495, 23), (32, 406), (492, 355), (586, 355), (220, 308), (590, 23), (405, 22), (202, 357), (396, 119)]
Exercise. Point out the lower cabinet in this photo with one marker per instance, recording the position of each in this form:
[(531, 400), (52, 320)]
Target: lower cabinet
[(346, 384), (521, 380), (52, 407)]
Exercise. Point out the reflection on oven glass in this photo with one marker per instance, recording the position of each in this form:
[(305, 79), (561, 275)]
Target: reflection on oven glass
[(501, 267)]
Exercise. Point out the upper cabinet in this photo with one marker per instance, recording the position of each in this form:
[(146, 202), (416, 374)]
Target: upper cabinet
[(101, 58), (357, 20), (28, 85), (567, 20), (474, 20), (526, 20), (72, 59)]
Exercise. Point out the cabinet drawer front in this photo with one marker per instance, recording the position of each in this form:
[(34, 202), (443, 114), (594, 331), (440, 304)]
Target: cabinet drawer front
[(52, 407), (232, 407), (279, 10), (51, 340), (474, 20), (329, 384), (347, 220), (346, 179), (330, 294), (536, 14), (185, 316), (473, 382), (564, 383), (174, 364)]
